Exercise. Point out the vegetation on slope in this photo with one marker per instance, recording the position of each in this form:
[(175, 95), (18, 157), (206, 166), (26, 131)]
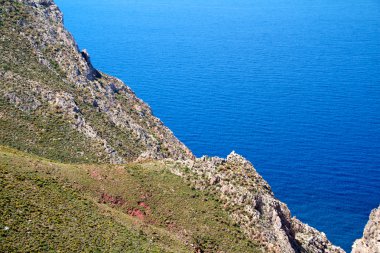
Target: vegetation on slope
[(27, 123), (112, 208), (44, 135), (45, 78)]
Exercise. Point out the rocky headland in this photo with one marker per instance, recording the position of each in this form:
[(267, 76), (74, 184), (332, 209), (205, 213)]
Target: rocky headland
[(56, 105)]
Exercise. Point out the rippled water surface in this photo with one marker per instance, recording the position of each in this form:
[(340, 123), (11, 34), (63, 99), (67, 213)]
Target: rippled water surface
[(292, 85)]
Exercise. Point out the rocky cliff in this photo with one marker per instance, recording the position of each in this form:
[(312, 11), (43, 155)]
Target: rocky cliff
[(55, 104), (252, 205), (370, 242), (44, 74)]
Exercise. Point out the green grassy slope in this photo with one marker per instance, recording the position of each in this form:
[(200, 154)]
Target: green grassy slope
[(50, 206), (45, 135)]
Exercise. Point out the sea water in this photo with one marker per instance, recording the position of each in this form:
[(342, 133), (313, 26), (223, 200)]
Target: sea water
[(292, 85)]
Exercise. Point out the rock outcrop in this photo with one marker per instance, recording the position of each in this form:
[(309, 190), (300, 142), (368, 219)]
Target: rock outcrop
[(252, 205), (370, 242)]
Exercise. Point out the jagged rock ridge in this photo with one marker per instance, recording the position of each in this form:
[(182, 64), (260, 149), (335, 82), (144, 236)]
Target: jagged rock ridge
[(251, 203)]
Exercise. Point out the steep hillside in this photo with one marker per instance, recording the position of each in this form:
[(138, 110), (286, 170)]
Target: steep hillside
[(108, 208), (158, 198), (250, 202), (63, 108)]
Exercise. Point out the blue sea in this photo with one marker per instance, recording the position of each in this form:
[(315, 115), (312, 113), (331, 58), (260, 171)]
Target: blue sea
[(292, 85)]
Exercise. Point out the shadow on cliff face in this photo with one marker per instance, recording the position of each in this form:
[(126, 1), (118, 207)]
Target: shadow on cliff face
[(92, 74)]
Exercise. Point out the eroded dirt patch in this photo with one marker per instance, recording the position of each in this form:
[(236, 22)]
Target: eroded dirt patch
[(113, 200)]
